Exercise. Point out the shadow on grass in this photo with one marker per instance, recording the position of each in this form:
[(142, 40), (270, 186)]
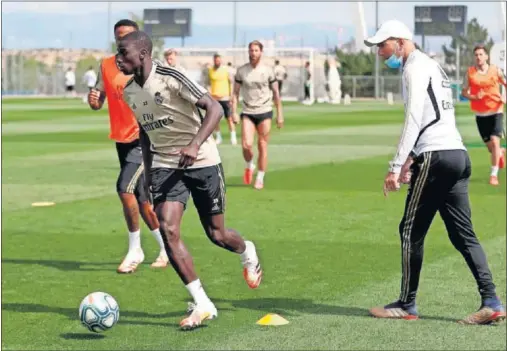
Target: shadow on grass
[(64, 265), (293, 307), (72, 314), (82, 336)]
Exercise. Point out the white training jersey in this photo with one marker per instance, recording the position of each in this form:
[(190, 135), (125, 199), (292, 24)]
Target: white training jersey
[(165, 108), (90, 78), (70, 78), (430, 121)]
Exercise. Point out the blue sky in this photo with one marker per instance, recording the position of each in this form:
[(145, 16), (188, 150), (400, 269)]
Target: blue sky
[(262, 14)]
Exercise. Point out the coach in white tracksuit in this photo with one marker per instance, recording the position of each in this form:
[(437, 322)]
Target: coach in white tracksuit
[(430, 157)]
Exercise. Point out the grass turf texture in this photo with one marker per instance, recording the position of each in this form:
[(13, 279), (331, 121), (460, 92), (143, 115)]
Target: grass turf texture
[(326, 235)]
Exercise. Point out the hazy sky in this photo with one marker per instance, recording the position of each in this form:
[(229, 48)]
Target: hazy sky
[(270, 12)]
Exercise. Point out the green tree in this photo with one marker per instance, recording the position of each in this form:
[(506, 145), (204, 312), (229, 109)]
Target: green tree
[(476, 34), (360, 64)]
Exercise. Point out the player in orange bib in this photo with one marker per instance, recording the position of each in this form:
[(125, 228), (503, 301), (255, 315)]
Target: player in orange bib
[(482, 88), (125, 132)]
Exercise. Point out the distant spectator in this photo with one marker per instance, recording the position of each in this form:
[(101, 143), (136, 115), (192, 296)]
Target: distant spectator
[(70, 82), (280, 75), (90, 79)]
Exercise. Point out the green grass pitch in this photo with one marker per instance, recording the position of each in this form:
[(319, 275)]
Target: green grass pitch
[(326, 236)]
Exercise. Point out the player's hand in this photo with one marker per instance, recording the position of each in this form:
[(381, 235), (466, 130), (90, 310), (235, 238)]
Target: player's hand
[(188, 155), (94, 99), (479, 95), (235, 118), (279, 121), (391, 183)]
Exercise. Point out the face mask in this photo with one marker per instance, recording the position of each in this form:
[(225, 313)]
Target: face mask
[(393, 61)]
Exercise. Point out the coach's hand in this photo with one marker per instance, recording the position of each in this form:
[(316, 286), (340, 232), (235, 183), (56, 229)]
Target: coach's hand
[(405, 173), (188, 155), (391, 183)]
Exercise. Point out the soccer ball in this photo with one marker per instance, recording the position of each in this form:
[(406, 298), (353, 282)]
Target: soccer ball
[(99, 312)]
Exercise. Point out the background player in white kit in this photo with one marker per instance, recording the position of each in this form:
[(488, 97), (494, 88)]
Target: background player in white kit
[(90, 79), (181, 158), (259, 88)]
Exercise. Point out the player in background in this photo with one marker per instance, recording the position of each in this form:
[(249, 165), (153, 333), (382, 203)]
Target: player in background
[(280, 75), (125, 132), (259, 88), (171, 59), (482, 87), (181, 159), (308, 81), (232, 74), (218, 80), (70, 82), (90, 79)]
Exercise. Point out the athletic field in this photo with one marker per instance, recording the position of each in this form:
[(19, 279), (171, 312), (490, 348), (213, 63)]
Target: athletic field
[(327, 238)]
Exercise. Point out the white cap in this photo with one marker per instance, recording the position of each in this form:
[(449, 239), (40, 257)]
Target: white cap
[(389, 29)]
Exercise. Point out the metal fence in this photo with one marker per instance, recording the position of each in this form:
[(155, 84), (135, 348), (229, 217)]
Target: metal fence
[(29, 77)]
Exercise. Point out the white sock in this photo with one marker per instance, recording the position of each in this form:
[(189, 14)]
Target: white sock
[(197, 291), (233, 135), (134, 240), (260, 176), (494, 171), (219, 135), (158, 237), (250, 165), (249, 251)]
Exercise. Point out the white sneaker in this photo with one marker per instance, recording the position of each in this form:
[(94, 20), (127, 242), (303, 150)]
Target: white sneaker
[(218, 140), (252, 271), (198, 314), (131, 261), (234, 141)]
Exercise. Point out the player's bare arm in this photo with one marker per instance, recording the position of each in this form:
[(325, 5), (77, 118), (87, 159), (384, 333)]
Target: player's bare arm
[(214, 113), (501, 77), (234, 101), (466, 91), (97, 95), (278, 104)]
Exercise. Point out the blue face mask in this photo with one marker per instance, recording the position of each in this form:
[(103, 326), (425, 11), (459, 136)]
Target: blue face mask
[(393, 61)]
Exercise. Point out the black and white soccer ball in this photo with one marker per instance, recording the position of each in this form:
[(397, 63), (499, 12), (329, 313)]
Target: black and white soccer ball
[(99, 312)]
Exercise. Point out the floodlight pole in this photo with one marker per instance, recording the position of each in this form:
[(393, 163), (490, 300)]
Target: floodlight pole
[(235, 23), (108, 36), (457, 70), (377, 59)]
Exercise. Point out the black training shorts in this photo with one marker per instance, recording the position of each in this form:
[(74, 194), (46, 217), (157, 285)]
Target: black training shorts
[(257, 118), (131, 177), (490, 126), (206, 185), (225, 106)]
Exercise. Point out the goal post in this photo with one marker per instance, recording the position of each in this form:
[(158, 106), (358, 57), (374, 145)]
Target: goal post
[(196, 60)]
